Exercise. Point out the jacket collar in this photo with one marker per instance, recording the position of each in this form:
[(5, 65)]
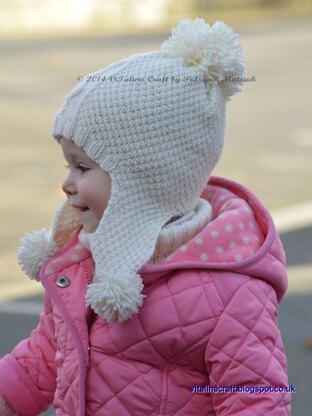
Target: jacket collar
[(239, 236)]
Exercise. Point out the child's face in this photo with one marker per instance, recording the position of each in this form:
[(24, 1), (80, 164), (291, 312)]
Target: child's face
[(87, 186)]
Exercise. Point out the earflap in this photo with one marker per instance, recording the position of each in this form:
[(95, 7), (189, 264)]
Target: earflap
[(123, 242)]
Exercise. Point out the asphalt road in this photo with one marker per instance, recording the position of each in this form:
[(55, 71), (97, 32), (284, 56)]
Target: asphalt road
[(268, 148)]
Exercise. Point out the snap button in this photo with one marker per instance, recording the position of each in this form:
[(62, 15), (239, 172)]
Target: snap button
[(62, 281)]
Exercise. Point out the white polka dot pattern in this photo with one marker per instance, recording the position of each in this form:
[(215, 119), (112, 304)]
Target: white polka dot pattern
[(219, 249), (184, 249), (199, 241), (232, 236), (227, 238), (204, 256), (74, 254)]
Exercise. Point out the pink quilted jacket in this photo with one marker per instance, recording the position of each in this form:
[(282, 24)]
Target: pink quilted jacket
[(209, 318)]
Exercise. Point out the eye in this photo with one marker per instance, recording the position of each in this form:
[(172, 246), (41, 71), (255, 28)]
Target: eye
[(82, 168)]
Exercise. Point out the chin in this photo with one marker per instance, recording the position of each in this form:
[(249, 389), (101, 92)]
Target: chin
[(89, 229)]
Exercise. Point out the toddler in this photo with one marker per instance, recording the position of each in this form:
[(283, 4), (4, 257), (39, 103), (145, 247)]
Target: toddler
[(162, 282)]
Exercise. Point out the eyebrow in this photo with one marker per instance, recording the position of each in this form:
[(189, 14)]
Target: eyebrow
[(75, 156), (74, 153)]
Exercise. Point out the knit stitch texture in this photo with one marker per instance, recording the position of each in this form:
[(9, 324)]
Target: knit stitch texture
[(155, 122)]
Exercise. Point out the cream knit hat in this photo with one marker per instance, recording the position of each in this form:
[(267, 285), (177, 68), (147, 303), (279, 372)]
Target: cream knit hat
[(155, 121)]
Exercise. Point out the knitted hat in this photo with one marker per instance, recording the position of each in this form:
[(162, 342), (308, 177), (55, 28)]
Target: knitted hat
[(155, 121)]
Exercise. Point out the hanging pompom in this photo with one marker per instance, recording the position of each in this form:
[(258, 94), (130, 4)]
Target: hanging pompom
[(115, 297), (34, 250), (212, 49)]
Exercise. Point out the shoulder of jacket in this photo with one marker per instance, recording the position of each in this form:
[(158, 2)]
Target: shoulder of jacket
[(220, 284), (234, 286)]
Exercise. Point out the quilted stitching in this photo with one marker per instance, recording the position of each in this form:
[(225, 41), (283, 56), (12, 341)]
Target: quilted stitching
[(198, 325), (228, 358)]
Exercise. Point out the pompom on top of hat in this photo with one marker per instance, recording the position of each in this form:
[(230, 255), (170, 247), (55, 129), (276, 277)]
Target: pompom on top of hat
[(212, 49)]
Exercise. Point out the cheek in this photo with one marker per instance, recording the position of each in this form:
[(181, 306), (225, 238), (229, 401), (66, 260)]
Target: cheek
[(99, 206), (99, 196)]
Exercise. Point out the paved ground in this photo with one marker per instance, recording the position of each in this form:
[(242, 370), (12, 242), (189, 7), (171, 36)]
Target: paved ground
[(270, 123)]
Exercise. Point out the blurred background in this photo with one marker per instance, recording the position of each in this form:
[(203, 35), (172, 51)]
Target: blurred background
[(46, 45)]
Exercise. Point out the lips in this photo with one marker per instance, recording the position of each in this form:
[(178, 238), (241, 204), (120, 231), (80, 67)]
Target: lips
[(80, 208)]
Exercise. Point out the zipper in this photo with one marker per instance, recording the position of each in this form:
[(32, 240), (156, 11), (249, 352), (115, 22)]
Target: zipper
[(83, 355)]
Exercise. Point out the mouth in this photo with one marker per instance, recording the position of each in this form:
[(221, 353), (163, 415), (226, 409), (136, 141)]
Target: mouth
[(80, 208)]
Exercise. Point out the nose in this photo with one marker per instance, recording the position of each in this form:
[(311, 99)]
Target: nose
[(68, 186)]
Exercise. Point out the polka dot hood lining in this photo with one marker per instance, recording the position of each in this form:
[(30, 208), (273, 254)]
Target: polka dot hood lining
[(233, 234), (238, 235)]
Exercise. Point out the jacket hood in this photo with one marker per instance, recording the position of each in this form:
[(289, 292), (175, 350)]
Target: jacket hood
[(241, 238)]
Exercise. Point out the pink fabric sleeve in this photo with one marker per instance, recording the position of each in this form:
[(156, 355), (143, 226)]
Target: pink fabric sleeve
[(28, 373), (246, 349)]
